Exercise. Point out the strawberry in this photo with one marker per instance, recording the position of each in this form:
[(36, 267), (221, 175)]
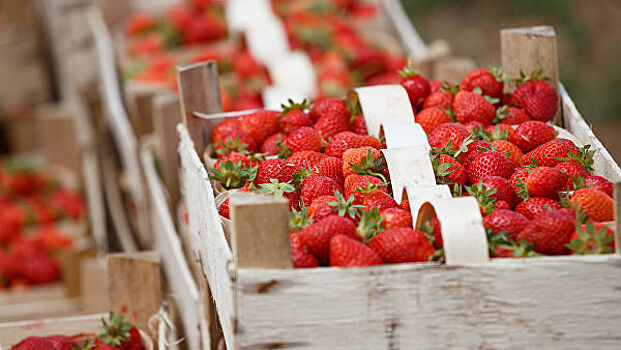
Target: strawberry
[(484, 196), (473, 127), (378, 199), (39, 269), (405, 205), (345, 140), (499, 132), (260, 125), (348, 252), (592, 238), (315, 186), (512, 116), (442, 85), (415, 85), (300, 256), (306, 159), (488, 164), (596, 204), (441, 99), (12, 218), (273, 145), (68, 203), (61, 342), (331, 167), (316, 237), (505, 220), (332, 122), (490, 81), (443, 133), (357, 185), (518, 176), (531, 134), (275, 169), (328, 106), (433, 231), (536, 97), (473, 148), (430, 118), (9, 266), (233, 171), (504, 190), (470, 106), (359, 125), (363, 160), (500, 205), (545, 182), (549, 232), (401, 245), (600, 183), (293, 116), (573, 170), (510, 150), (282, 189), (139, 23), (33, 343), (203, 29), (224, 129), (448, 170), (536, 206), (245, 66), (118, 333), (235, 158), (236, 141), (396, 217), (224, 209), (320, 207), (551, 153), (304, 139)]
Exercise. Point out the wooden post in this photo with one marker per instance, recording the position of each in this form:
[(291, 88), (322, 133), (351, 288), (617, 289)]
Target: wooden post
[(453, 69), (58, 137), (260, 232), (135, 286), (166, 116), (94, 285), (199, 91)]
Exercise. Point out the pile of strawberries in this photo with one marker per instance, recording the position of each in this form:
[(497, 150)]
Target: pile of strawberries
[(537, 192), (116, 334), (31, 204)]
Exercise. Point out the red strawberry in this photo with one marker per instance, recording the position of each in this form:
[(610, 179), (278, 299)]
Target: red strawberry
[(233, 171), (401, 245), (545, 182), (378, 199), (235, 158), (572, 169), (245, 66), (592, 238), (331, 167), (118, 333), (275, 169), (415, 85), (442, 134), (61, 342), (470, 106), (235, 141), (500, 131), (514, 116), (316, 237), (441, 99), (505, 220), (300, 256), (224, 129), (328, 106), (531, 134), (293, 116), (260, 125), (359, 125), (273, 144), (448, 170), (33, 343), (430, 118), (473, 126), (306, 159), (600, 183), (441, 85), (510, 150), (9, 266), (39, 269), (315, 186), (356, 184), (489, 163), (537, 98), (12, 218), (474, 148), (139, 23), (549, 232), (519, 174), (348, 252), (204, 28), (536, 206), (500, 205), (320, 207), (362, 160), (504, 190), (396, 217), (549, 153), (333, 122), (490, 82), (304, 139), (345, 140), (404, 205), (596, 204)]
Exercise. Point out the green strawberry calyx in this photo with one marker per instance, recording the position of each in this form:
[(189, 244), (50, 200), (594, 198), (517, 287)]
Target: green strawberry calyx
[(115, 330), (294, 106), (233, 175), (345, 207)]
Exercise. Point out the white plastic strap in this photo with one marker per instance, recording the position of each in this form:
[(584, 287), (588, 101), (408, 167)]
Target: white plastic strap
[(294, 71), (418, 195), (274, 96), (403, 135), (241, 13), (383, 104), (267, 40), (408, 166)]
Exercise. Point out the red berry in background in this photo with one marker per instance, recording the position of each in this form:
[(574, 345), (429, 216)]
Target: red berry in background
[(270, 146), (537, 98), (333, 122), (359, 125), (139, 23), (600, 183), (531, 134), (489, 81), (514, 116), (39, 269), (415, 85), (328, 105), (224, 129), (440, 99)]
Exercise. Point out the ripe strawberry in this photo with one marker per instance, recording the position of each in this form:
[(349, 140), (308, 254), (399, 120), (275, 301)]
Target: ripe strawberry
[(473, 127), (348, 252), (549, 232), (489, 81), (12, 218), (300, 256), (9, 266), (233, 171), (430, 118), (345, 140), (359, 125), (282, 189), (396, 217), (405, 205), (572, 169), (520, 174), (224, 129), (600, 183), (499, 132), (531, 134), (378, 199), (118, 333), (275, 169), (470, 106), (442, 85), (442, 134), (550, 152), (401, 245), (537, 98), (331, 167), (357, 184), (236, 141), (260, 125), (441, 99), (327, 106), (487, 164), (592, 238), (306, 159), (316, 237), (448, 170), (509, 149), (245, 66), (33, 343), (545, 182), (473, 149), (39, 269), (235, 158), (536, 206), (596, 204), (204, 28), (61, 342), (304, 139), (315, 186), (320, 207), (415, 85), (333, 122), (363, 160), (293, 116), (273, 145), (504, 190), (139, 23), (513, 116), (505, 220)]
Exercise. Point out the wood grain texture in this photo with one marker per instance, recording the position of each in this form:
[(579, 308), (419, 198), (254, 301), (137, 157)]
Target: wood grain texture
[(260, 231), (506, 304), (453, 69), (166, 116)]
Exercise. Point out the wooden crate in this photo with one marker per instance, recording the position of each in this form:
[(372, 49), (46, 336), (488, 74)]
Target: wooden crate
[(543, 302)]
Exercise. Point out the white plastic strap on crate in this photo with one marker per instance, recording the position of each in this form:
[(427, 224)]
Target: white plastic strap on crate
[(463, 235), (383, 104), (404, 134), (295, 71), (274, 96), (241, 13), (408, 166), (267, 39), (420, 194)]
